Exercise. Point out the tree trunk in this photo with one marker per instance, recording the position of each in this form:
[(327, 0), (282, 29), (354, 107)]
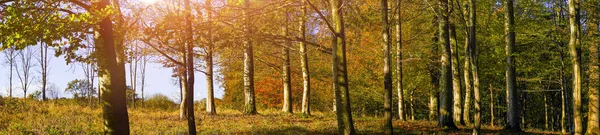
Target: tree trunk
[(250, 105), (135, 66), (387, 74), (304, 62), (44, 67), (399, 60), (593, 125), (143, 76), (111, 72), (287, 82), (412, 105), (182, 89), (210, 95), (472, 58), (445, 118), (513, 113), (546, 122), (492, 105), (190, 69), (574, 51), (458, 112), (340, 71)]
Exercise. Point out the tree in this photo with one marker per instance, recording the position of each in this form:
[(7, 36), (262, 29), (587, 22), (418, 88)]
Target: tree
[(340, 70), (457, 99), (23, 69), (111, 71), (472, 60), (387, 96), (574, 51), (250, 104), (80, 88), (512, 95), (210, 101), (445, 117), (593, 123), (399, 75), (287, 79), (189, 89), (10, 59), (304, 60), (43, 60)]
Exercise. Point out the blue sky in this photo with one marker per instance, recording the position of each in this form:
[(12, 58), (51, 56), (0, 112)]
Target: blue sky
[(158, 79)]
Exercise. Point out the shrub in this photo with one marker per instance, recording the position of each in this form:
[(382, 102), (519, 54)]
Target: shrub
[(160, 101)]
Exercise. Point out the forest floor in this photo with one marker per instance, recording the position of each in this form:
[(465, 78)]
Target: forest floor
[(34, 117)]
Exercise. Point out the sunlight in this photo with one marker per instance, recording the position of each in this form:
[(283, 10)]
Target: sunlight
[(149, 2)]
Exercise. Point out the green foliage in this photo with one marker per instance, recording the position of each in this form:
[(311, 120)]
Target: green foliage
[(80, 88), (160, 102), (35, 95)]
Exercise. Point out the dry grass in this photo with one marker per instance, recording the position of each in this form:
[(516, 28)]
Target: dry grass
[(55, 117)]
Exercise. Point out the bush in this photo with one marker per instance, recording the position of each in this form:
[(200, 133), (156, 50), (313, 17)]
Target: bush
[(160, 101)]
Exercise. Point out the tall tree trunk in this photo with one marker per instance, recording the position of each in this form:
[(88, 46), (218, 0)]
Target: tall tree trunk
[(44, 67), (458, 112), (287, 82), (513, 113), (189, 91), (250, 105), (399, 60), (563, 97), (445, 118), (468, 87), (135, 66), (412, 104), (593, 125), (387, 74), (340, 70), (182, 90), (472, 58), (546, 122), (143, 76), (574, 51), (111, 72), (210, 94), (304, 62), (11, 62), (492, 105)]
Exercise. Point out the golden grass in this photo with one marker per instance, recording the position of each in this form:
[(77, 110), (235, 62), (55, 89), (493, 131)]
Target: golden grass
[(19, 116)]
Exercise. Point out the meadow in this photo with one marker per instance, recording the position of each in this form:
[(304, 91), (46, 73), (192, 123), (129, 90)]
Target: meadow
[(26, 116)]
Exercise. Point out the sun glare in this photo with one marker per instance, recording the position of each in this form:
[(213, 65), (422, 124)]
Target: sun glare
[(150, 1)]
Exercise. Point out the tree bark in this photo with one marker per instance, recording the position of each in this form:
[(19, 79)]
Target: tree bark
[(458, 112), (574, 51), (210, 95), (593, 125), (304, 62), (190, 69), (445, 118), (250, 105), (387, 74), (111, 72), (143, 76), (44, 67), (340, 70), (472, 58), (513, 113), (287, 82), (399, 60)]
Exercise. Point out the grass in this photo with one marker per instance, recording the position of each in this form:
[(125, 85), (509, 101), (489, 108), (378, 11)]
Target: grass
[(19, 116)]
